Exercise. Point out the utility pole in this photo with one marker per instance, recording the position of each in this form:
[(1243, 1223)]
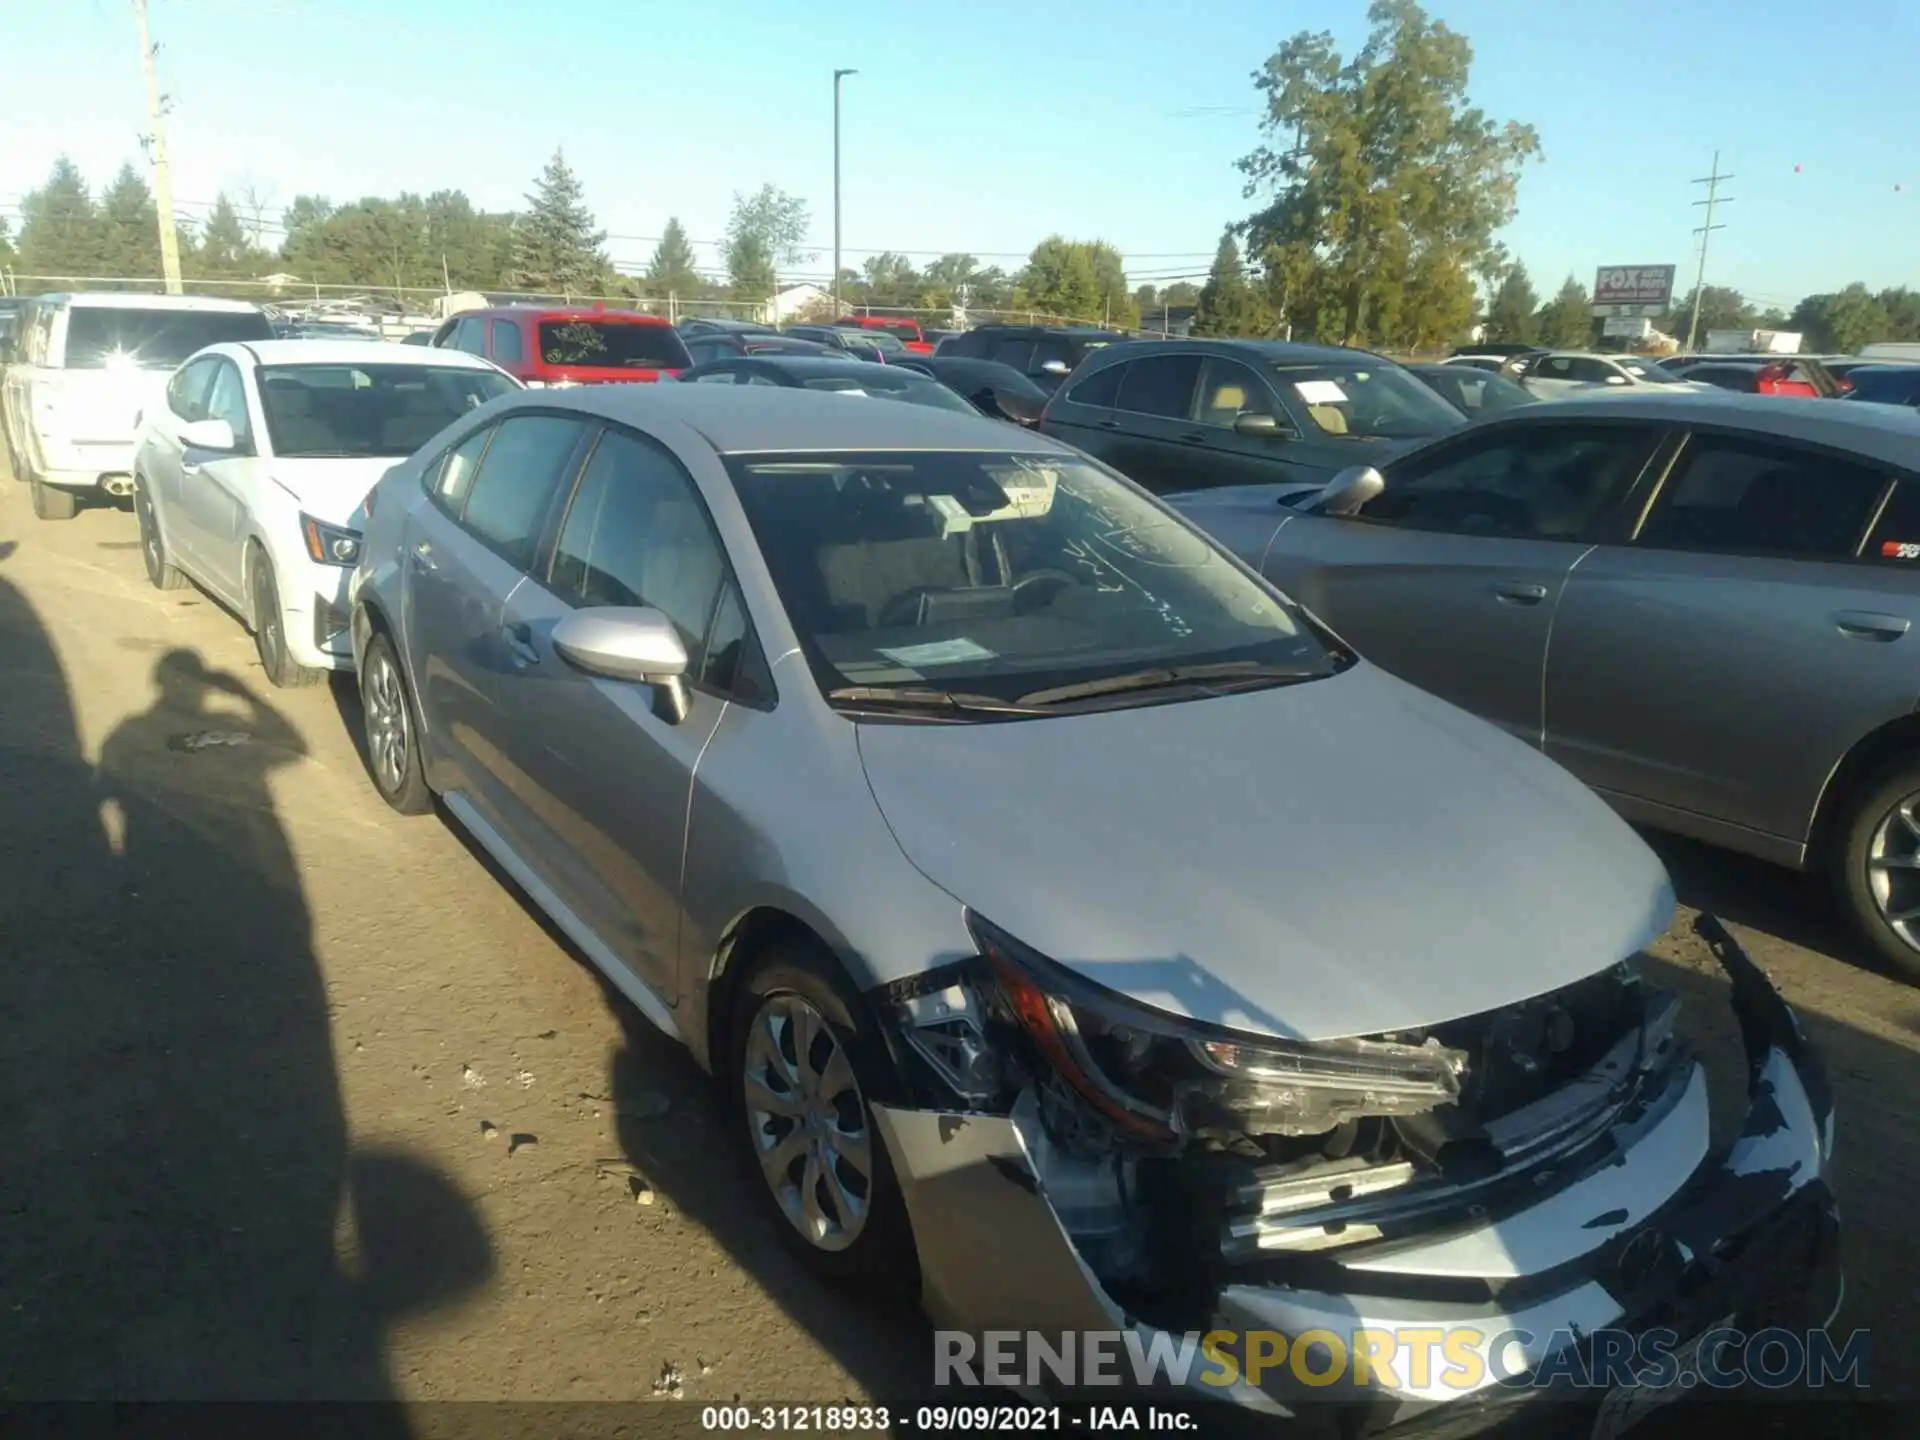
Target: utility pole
[(1705, 232), (838, 76), (162, 174)]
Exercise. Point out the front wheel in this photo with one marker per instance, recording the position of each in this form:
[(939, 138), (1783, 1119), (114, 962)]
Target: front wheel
[(393, 738), (805, 1064), (1878, 867), (270, 629)]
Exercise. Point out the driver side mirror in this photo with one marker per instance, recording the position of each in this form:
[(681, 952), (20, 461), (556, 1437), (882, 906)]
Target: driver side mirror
[(1262, 426), (634, 643), (1349, 491), (1055, 367), (214, 435)]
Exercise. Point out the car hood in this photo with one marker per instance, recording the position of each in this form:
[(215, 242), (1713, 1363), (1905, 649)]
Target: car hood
[(1340, 857), (333, 488)]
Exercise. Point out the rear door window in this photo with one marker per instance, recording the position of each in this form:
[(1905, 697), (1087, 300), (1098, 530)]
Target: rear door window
[(1102, 388), (1161, 385), (1734, 496), (1229, 391), (507, 503)]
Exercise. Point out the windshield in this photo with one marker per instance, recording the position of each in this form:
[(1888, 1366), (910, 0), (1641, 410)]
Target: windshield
[(611, 345), (893, 385), (1648, 372), (1476, 392), (100, 337), (368, 410), (1374, 400), (881, 340), (1000, 574)]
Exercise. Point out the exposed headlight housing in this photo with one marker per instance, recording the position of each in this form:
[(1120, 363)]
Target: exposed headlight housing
[(1158, 1078), (330, 544)]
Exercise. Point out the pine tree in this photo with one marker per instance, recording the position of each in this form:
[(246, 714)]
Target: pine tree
[(1227, 305), (671, 270), (1566, 321), (224, 248), (132, 226), (556, 249), (60, 230), (1510, 315)]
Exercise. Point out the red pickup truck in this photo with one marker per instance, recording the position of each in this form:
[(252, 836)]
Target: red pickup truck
[(908, 332)]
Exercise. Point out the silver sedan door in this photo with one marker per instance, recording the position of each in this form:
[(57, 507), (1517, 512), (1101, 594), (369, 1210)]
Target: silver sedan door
[(601, 778), (1722, 665), (1451, 577)]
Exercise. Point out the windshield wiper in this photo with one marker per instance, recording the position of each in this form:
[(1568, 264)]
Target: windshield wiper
[(916, 698), (1233, 672)]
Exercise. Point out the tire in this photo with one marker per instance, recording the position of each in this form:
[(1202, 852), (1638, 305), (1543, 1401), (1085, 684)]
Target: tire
[(870, 1248), (1882, 825), (153, 548), (392, 730), (270, 628), (52, 504)]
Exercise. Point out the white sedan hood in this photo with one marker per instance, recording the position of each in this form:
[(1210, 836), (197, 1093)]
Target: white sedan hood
[(1339, 857), (333, 489)]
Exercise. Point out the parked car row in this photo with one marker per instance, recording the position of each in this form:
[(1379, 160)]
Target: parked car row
[(1009, 840)]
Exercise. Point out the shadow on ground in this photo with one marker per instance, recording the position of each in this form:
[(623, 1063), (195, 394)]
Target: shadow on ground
[(181, 1213)]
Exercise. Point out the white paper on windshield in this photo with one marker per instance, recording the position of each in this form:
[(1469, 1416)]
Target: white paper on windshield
[(938, 652), (1321, 392), (1029, 490), (954, 519)]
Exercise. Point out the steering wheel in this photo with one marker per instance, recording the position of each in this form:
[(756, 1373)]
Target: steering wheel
[(1038, 587)]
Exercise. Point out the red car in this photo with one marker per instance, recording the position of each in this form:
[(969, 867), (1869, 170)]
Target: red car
[(908, 332), (569, 345)]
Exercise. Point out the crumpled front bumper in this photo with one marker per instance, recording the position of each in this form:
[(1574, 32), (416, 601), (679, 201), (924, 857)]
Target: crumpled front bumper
[(1670, 1233)]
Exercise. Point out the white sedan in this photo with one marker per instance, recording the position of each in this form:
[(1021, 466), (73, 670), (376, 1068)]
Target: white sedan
[(252, 477), (1575, 372)]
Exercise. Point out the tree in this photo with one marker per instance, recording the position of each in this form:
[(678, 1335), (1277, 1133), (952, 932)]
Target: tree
[(225, 247), (1179, 294), (1720, 309), (1374, 167), (556, 249), (671, 271), (889, 280), (1146, 298), (1566, 321), (1228, 305), (60, 230), (1060, 280), (766, 230), (1511, 314), (7, 256), (132, 226), (1842, 322)]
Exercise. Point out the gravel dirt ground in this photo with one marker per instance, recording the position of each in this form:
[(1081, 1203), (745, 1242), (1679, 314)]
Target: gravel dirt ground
[(303, 1102)]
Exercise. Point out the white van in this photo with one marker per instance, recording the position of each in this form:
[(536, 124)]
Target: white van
[(1892, 352), (83, 369)]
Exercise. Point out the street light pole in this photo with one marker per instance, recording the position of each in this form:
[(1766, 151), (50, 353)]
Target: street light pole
[(838, 76)]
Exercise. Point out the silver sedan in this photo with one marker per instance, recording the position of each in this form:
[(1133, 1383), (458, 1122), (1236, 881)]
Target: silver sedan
[(1014, 855)]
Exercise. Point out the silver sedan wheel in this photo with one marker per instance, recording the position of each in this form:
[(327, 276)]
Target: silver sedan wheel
[(1893, 869), (808, 1122), (389, 736)]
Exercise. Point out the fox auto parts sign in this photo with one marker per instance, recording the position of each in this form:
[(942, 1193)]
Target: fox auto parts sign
[(1633, 285)]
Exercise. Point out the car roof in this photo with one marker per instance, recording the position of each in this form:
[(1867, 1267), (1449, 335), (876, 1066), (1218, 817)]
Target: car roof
[(133, 300), (833, 362), (565, 312), (350, 352), (1269, 350), (744, 420), (1886, 434)]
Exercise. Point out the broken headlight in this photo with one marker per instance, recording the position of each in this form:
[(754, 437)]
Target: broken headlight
[(1157, 1077)]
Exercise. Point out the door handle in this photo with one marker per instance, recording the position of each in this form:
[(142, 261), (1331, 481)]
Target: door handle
[(518, 638), (1513, 592), (1871, 625), (1194, 437), (423, 556), (1108, 424)]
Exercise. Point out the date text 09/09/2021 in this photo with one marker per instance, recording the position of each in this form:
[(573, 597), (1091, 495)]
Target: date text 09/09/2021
[(881, 1419)]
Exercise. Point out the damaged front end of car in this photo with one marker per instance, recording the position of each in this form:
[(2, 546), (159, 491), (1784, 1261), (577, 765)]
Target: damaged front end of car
[(1073, 1161)]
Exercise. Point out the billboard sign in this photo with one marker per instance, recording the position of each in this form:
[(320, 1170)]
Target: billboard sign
[(1646, 288)]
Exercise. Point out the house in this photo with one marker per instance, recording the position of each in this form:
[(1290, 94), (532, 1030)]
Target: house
[(795, 301)]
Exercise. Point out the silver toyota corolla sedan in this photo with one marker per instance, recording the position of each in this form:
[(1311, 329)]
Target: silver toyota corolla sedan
[(1079, 928)]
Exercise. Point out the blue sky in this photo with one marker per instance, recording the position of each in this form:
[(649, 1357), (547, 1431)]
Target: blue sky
[(985, 126)]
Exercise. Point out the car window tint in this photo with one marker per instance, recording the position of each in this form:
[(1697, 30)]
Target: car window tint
[(187, 391), (508, 348), (733, 664), (1160, 385), (1229, 390), (1544, 482), (1728, 496), (717, 377), (1896, 534), (228, 401), (1591, 372), (508, 500), (1053, 347), (1556, 367), (1101, 388), (470, 335), (1017, 353), (637, 534), (452, 477)]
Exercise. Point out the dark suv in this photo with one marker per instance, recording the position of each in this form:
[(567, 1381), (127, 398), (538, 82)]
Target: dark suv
[(1194, 414), (1045, 354)]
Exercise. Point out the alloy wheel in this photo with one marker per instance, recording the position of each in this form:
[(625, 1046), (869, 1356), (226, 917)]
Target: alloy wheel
[(149, 535), (808, 1121), (267, 620), (1893, 869), (385, 705)]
